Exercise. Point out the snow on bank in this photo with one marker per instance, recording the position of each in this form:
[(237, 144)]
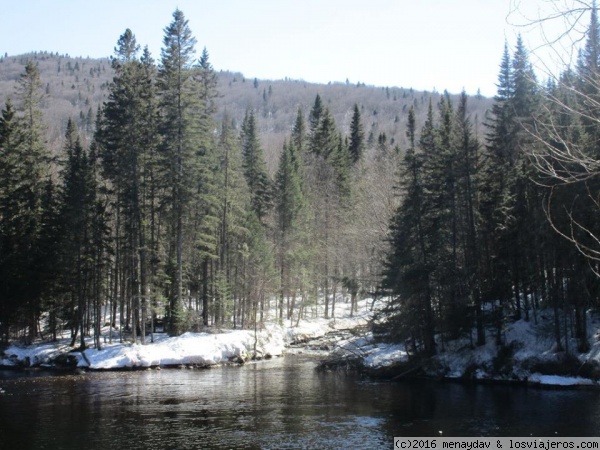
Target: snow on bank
[(316, 328), (528, 349), (373, 355), (33, 355), (202, 349), (556, 380)]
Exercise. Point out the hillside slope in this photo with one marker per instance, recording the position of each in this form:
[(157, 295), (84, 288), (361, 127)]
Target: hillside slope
[(76, 87)]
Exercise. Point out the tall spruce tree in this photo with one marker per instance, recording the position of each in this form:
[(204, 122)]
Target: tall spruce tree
[(11, 174), (25, 162), (127, 139), (495, 190), (357, 137), (234, 207), (408, 267), (314, 117), (469, 161), (176, 86), (76, 220), (206, 204), (299, 133), (255, 168), (325, 159), (289, 203)]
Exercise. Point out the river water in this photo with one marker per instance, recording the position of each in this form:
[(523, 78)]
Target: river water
[(281, 403)]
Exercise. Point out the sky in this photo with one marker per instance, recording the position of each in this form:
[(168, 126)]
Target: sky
[(424, 44)]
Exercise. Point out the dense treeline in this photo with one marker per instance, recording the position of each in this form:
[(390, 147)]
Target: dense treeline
[(474, 242), (170, 215)]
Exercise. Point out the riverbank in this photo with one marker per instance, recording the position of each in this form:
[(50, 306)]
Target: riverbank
[(528, 357), (190, 349)]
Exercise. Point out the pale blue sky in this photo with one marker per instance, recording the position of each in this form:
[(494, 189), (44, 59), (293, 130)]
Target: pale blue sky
[(424, 44)]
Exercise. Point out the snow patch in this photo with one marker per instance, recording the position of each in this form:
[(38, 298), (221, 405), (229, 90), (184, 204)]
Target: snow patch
[(556, 380)]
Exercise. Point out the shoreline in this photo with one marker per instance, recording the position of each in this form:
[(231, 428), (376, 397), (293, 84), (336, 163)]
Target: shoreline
[(527, 358)]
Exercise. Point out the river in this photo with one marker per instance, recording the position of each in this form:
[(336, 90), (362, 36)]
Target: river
[(280, 403)]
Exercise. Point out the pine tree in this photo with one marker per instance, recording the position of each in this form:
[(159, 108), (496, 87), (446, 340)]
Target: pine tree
[(207, 202), (208, 83), (234, 207), (255, 169), (314, 117), (128, 140), (11, 174), (588, 64), (357, 137), (127, 47), (408, 267), (509, 197), (76, 213), (289, 203), (299, 134), (25, 162), (324, 159), (324, 138), (49, 266), (495, 191), (176, 88), (470, 164)]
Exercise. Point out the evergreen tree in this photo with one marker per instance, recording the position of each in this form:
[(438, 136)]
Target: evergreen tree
[(470, 164), (49, 266), (588, 64), (255, 169), (76, 221), (11, 175), (408, 267), (176, 86), (495, 190), (299, 134), (326, 161), (509, 197), (24, 162), (587, 84), (127, 141), (324, 138), (208, 83), (234, 207), (289, 203), (314, 117), (357, 137)]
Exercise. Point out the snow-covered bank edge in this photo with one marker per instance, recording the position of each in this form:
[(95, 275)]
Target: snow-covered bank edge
[(528, 357), (189, 349)]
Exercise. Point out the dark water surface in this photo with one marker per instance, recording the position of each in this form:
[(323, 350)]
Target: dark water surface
[(282, 403)]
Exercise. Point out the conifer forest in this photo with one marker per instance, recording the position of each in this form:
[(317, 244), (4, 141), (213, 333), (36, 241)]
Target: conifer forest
[(154, 190)]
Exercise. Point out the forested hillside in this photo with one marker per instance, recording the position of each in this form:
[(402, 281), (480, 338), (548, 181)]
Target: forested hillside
[(76, 87), (154, 187)]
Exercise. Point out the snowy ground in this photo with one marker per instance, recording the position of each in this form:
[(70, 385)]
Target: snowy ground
[(202, 349)]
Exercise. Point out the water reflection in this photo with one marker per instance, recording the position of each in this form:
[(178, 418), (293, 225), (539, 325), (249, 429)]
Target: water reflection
[(281, 403)]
